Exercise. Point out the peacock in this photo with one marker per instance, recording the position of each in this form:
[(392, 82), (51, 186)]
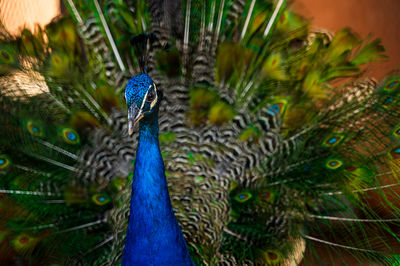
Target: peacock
[(195, 132)]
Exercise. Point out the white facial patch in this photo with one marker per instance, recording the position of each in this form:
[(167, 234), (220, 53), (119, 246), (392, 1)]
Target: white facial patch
[(144, 101), (155, 99)]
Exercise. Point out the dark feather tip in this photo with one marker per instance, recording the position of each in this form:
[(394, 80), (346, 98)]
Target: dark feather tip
[(141, 39), (142, 45)]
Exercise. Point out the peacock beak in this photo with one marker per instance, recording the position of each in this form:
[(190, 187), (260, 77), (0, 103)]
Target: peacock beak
[(134, 116)]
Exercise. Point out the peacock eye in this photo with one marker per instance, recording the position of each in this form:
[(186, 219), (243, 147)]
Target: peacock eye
[(150, 96)]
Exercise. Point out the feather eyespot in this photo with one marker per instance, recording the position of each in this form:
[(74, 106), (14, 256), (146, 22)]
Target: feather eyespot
[(275, 109), (70, 136), (334, 164), (396, 132), (278, 107), (333, 140), (5, 55), (272, 257), (243, 197), (24, 242), (4, 162), (266, 196), (391, 85), (387, 102), (395, 153), (351, 169), (34, 129), (101, 199)]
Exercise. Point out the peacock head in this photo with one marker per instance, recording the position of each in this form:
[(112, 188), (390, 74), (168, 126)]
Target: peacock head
[(142, 98)]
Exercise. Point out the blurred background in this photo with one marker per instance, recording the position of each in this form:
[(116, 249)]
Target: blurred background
[(378, 17), (17, 13)]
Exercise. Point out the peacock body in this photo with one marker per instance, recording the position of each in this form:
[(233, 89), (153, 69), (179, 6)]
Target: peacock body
[(153, 220), (269, 158)]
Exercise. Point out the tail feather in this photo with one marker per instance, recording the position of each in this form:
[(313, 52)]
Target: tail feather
[(264, 157)]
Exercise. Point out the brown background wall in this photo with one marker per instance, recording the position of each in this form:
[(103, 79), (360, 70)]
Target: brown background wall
[(379, 17)]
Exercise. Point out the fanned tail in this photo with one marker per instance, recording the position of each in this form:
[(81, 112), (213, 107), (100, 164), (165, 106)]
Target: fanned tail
[(265, 158)]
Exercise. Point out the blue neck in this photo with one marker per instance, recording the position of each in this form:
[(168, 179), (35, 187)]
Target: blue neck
[(154, 236)]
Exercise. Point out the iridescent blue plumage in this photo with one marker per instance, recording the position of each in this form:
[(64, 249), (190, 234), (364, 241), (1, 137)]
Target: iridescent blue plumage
[(137, 88), (154, 236)]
